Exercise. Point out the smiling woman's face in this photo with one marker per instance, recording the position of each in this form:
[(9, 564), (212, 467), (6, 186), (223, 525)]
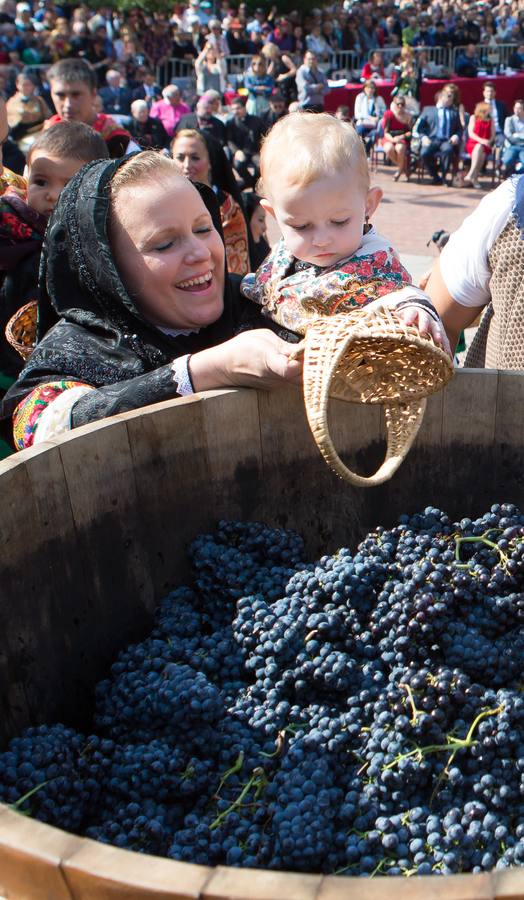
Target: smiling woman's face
[(168, 253)]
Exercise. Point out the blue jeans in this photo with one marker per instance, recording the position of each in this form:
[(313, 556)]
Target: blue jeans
[(511, 156), (368, 135)]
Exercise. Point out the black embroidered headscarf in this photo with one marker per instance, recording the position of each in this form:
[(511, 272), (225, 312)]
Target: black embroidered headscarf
[(102, 337)]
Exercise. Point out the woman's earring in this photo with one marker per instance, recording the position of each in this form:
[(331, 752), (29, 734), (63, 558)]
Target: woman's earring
[(367, 225)]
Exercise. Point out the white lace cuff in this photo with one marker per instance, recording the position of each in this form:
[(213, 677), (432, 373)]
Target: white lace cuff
[(181, 376)]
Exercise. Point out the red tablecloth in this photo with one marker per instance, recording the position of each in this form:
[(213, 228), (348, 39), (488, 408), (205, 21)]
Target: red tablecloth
[(508, 87)]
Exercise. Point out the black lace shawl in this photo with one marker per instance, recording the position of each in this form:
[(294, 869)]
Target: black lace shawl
[(101, 337)]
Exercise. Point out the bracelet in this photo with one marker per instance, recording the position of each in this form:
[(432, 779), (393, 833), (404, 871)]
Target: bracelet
[(426, 306), (181, 376)]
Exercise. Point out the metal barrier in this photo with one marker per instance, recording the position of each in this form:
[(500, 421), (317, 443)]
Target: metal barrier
[(173, 69), (493, 57), (238, 63)]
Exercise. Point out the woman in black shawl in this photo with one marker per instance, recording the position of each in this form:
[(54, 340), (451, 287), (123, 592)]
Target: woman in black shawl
[(133, 267), (202, 159)]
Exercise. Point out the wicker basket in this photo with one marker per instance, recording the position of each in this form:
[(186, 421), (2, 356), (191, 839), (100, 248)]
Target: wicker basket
[(371, 356), (20, 331)]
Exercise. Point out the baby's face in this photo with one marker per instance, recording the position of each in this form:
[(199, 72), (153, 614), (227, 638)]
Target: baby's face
[(323, 222), (48, 176)]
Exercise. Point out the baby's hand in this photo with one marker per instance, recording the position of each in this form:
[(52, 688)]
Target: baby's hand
[(417, 316)]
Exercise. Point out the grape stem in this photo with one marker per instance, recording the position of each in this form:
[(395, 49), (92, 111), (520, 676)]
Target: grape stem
[(480, 539), (257, 781), (16, 806)]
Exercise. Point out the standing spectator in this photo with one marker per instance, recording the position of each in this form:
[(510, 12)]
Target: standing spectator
[(259, 86), (210, 70), (498, 110), (516, 59), (147, 89), (282, 68), (423, 37), (26, 111), (468, 63), (170, 109), (59, 41), (148, 133), (255, 24), (481, 139), (204, 120), (244, 133), (513, 153), (312, 84), (374, 67), (99, 57), (316, 42), (116, 97), (73, 91), (80, 40), (236, 40), (183, 47), (369, 110), (256, 220), (368, 35), (216, 38), (410, 31), (440, 130), (283, 37), (157, 44), (397, 127)]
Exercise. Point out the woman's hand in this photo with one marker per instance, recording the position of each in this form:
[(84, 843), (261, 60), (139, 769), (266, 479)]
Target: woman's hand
[(416, 315), (252, 359)]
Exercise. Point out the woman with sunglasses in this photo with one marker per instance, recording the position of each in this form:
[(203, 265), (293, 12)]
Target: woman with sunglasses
[(396, 125)]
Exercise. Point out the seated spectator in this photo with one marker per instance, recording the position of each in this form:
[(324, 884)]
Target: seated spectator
[(204, 120), (453, 91), (440, 130), (423, 37), (277, 109), (312, 84), (183, 47), (26, 111), (149, 133), (513, 153), (516, 59), (58, 41), (147, 89), (56, 155), (369, 110), (170, 109), (481, 140), (80, 40), (426, 68), (497, 108), (282, 68), (374, 67), (211, 70), (368, 35), (397, 124), (202, 160), (73, 91), (244, 133), (257, 224), (116, 97), (468, 63), (100, 58)]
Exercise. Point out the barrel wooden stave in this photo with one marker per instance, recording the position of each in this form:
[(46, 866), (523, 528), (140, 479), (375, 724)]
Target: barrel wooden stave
[(76, 530)]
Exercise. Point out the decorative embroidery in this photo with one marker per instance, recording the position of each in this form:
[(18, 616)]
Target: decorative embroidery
[(28, 412), (235, 236), (293, 295)]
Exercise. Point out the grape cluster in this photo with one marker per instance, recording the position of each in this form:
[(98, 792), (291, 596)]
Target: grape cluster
[(363, 714)]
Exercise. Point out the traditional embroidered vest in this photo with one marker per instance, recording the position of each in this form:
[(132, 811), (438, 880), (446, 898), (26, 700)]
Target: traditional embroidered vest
[(499, 340)]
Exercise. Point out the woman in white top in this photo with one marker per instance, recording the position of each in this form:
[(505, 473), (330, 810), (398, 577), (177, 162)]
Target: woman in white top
[(369, 109), (211, 70)]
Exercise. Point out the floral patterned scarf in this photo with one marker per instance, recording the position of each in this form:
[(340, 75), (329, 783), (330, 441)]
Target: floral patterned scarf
[(293, 293), (22, 230)]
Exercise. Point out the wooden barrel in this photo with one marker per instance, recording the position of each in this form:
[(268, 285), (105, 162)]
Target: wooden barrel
[(93, 531)]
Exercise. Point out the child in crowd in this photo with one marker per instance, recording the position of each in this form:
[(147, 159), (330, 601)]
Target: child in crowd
[(56, 155), (315, 183)]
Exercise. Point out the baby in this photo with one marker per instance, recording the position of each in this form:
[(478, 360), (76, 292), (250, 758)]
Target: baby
[(56, 155), (315, 183)]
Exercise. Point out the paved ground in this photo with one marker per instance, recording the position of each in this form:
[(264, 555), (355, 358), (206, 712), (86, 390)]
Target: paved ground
[(410, 212)]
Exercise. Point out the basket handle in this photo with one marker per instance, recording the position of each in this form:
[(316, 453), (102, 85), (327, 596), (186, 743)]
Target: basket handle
[(403, 420)]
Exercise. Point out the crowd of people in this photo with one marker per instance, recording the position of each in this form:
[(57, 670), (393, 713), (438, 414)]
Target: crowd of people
[(81, 91)]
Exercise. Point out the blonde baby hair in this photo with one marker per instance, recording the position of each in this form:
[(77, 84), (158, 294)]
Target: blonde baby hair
[(304, 147)]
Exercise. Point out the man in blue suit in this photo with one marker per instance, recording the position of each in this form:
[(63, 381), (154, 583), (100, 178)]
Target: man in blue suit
[(116, 99), (440, 131)]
